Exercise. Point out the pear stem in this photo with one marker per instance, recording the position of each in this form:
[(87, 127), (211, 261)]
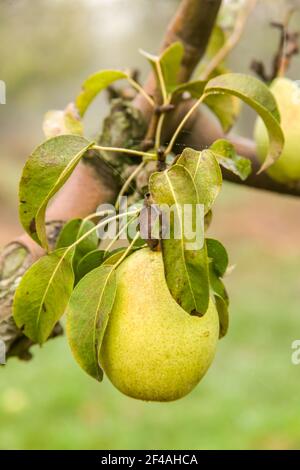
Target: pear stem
[(183, 122), (128, 182), (139, 153)]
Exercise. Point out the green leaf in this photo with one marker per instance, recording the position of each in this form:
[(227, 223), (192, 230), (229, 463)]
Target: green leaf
[(217, 267), (87, 317), (89, 262), (68, 234), (216, 42), (257, 95), (194, 88), (43, 295), (226, 155), (216, 284), (131, 232), (186, 267), (45, 172), (90, 242), (218, 254), (71, 232), (62, 122), (222, 308), (115, 255), (206, 174), (227, 109), (170, 61), (94, 84)]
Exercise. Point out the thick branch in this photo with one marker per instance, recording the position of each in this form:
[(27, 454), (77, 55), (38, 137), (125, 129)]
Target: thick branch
[(192, 25)]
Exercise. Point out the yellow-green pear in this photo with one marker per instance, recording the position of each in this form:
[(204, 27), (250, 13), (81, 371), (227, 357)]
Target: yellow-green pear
[(152, 349), (287, 168)]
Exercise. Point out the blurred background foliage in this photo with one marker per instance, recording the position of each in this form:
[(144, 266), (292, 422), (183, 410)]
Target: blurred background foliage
[(250, 397)]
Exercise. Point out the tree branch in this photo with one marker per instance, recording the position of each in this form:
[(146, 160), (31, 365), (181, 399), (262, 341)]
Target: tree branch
[(192, 25)]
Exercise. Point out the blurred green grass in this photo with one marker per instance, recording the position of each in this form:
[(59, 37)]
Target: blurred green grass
[(248, 400)]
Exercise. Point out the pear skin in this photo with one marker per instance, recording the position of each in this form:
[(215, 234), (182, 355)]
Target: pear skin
[(287, 168), (152, 349)]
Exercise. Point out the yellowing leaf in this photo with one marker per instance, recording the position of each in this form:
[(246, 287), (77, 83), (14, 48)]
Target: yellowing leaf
[(206, 174), (44, 173), (227, 157), (94, 84)]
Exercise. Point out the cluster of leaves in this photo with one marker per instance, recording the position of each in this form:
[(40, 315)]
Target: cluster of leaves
[(78, 277)]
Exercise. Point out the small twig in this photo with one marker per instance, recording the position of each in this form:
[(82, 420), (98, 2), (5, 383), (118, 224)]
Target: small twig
[(127, 251), (141, 90), (128, 182), (183, 122), (161, 111), (288, 47), (116, 238), (137, 153), (232, 41)]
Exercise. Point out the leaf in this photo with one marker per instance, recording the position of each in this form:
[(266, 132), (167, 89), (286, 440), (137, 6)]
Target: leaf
[(185, 260), (223, 313), (115, 255), (89, 262), (226, 155), (218, 254), (257, 95), (216, 42), (194, 88), (90, 242), (68, 234), (62, 122), (168, 62), (217, 268), (87, 317), (206, 174), (71, 232), (43, 295), (45, 172), (132, 230), (94, 84), (227, 109), (216, 284)]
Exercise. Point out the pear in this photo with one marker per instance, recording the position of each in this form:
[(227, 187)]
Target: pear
[(287, 168), (153, 349)]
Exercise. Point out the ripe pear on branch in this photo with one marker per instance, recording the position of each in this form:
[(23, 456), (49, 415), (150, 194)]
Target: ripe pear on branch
[(153, 349)]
